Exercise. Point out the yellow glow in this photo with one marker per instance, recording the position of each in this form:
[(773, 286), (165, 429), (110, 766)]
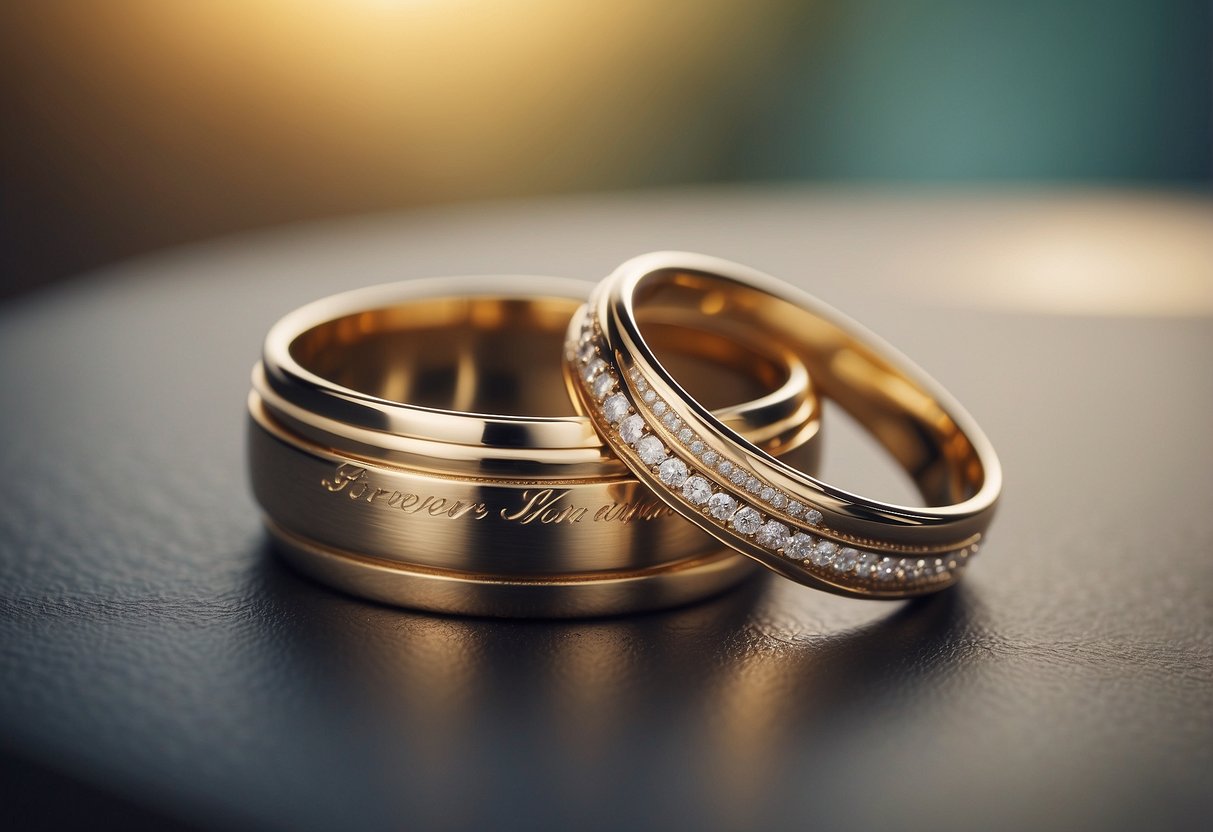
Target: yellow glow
[(1105, 259), (1102, 254), (433, 98)]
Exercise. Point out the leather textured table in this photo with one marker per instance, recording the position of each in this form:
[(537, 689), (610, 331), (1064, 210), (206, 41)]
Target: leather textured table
[(159, 666)]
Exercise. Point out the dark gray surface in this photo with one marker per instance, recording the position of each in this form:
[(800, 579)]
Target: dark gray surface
[(153, 652)]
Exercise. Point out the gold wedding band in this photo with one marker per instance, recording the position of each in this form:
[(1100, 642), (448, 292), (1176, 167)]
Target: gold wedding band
[(415, 443), (784, 518)]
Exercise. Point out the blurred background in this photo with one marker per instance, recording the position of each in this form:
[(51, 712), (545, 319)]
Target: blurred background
[(131, 125)]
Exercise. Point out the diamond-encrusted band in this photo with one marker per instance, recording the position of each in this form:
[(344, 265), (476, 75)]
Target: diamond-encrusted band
[(801, 528)]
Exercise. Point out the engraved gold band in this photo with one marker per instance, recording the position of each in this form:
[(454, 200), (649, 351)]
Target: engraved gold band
[(784, 518), (415, 443)]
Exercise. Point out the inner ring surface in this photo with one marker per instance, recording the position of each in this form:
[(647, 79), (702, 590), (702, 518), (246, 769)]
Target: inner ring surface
[(480, 355), (910, 416)]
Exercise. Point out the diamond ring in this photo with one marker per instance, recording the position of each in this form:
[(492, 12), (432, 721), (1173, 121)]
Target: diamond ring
[(786, 519)]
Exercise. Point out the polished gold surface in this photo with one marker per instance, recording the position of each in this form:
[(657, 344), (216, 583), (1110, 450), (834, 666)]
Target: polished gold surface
[(783, 517), (411, 438), (456, 375)]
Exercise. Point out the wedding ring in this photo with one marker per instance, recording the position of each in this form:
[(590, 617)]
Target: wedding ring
[(415, 443), (784, 518)]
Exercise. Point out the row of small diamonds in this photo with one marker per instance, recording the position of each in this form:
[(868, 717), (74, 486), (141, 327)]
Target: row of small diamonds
[(815, 554), (735, 473)]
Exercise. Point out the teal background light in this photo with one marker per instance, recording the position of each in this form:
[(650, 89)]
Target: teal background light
[(946, 90)]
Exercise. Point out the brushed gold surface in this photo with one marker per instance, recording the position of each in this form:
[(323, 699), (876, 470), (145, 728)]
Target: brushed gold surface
[(484, 525), (555, 595), (426, 426)]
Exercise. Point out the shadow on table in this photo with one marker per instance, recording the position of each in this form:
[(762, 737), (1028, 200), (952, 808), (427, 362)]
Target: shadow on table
[(724, 693), (663, 654)]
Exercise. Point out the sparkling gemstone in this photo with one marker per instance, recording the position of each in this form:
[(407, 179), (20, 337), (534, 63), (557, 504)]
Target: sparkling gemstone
[(615, 407), (864, 564), (649, 396), (795, 509), (641, 384), (631, 429), (709, 457), (813, 517), (824, 552), (697, 490), (779, 500), (799, 546), (673, 472), (697, 448), (603, 385), (659, 408), (671, 421), (772, 535), (766, 494), (752, 485), (746, 520), (593, 368), (738, 476), (586, 351), (634, 374), (650, 450), (913, 569), (939, 567), (844, 561), (685, 436), (725, 467), (886, 569), (721, 506)]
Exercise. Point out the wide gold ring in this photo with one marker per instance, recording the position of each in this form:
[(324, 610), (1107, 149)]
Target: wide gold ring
[(784, 518), (415, 443)]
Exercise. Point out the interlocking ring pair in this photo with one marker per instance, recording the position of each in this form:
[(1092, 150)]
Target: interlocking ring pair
[(419, 444)]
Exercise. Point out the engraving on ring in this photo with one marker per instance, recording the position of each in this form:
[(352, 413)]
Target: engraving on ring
[(355, 483), (545, 505)]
